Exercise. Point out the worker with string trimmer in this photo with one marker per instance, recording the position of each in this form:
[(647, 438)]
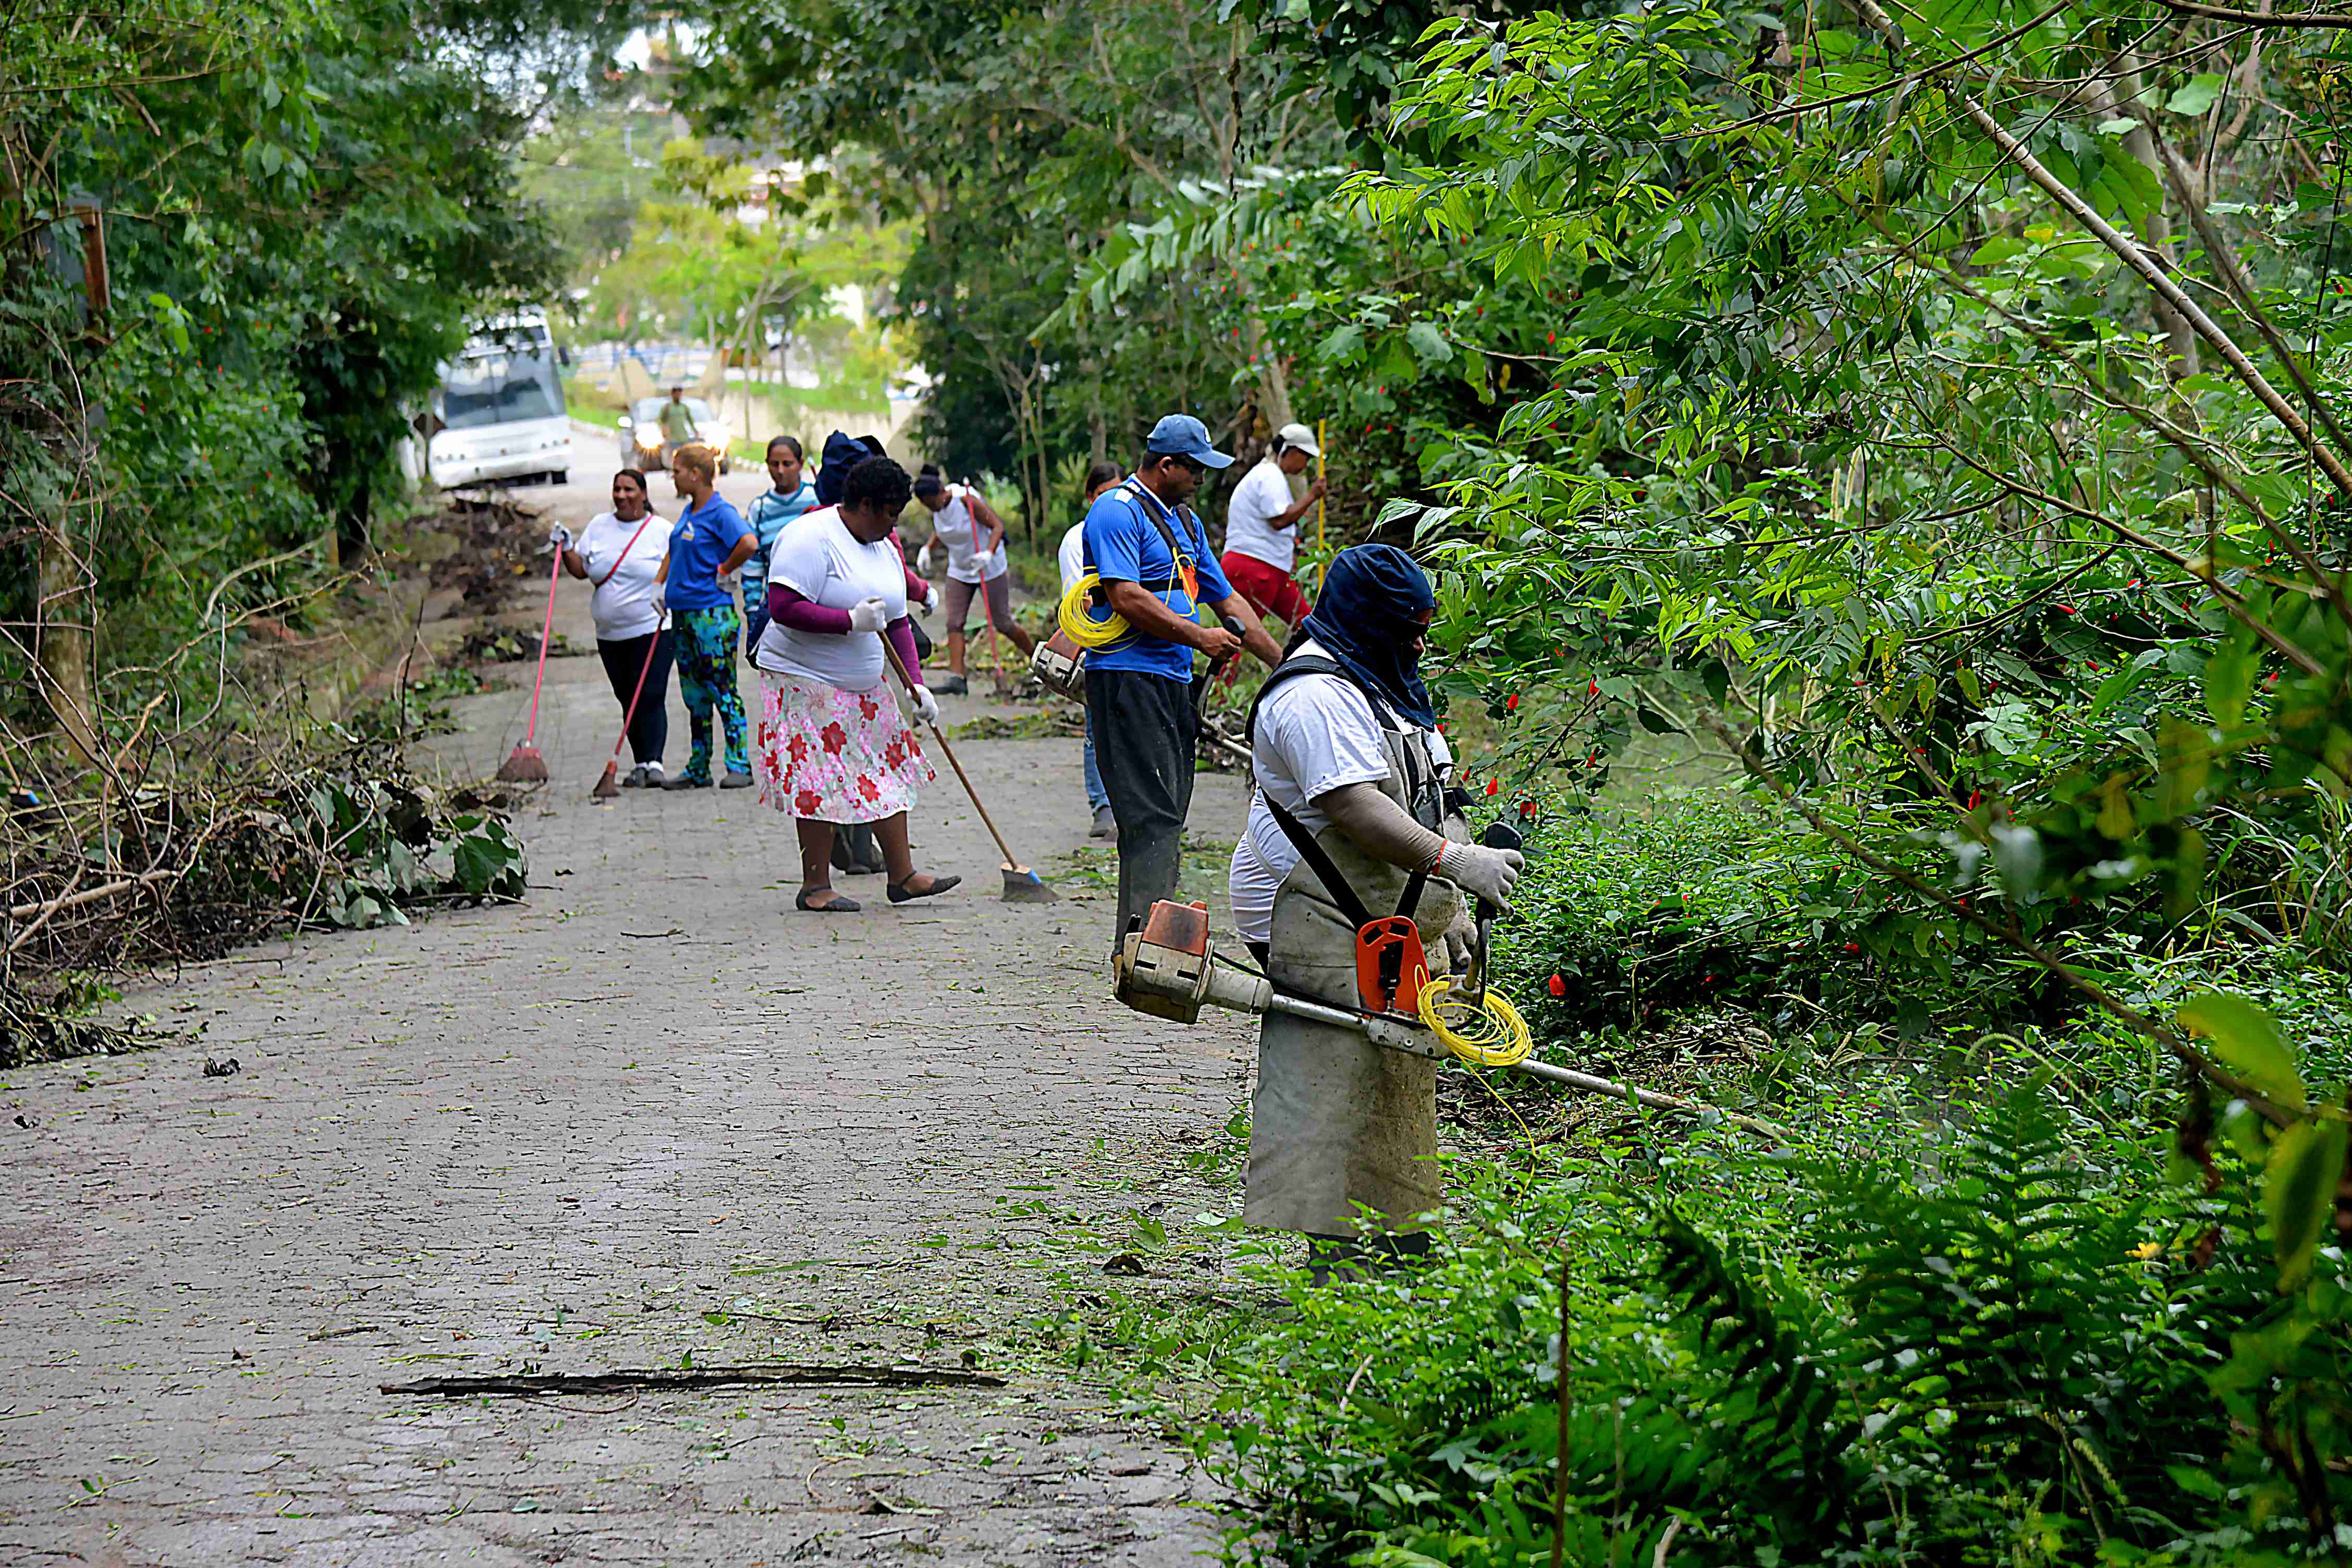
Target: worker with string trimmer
[(1351, 878)]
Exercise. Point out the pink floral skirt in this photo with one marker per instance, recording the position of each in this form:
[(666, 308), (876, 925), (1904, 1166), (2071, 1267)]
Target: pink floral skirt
[(828, 756)]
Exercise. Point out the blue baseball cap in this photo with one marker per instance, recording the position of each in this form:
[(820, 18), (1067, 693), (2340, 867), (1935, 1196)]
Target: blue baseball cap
[(1181, 435)]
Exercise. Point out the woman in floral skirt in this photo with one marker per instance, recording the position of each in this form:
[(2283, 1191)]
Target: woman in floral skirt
[(832, 746)]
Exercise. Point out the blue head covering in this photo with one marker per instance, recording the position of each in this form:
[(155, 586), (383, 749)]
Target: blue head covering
[(1368, 617)]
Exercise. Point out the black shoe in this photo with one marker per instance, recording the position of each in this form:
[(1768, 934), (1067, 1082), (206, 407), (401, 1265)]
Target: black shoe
[(736, 779), (899, 894), (685, 781), (841, 861), (950, 686), (865, 854)]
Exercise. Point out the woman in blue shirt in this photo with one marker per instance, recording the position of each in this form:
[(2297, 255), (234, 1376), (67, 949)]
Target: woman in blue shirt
[(792, 495), (709, 540)]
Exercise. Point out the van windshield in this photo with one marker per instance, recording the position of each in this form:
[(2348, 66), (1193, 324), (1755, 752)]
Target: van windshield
[(500, 389)]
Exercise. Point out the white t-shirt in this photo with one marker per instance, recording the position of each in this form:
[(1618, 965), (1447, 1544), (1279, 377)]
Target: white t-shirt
[(818, 558), (1071, 556), (1315, 734), (1263, 492), (956, 526), (623, 603)]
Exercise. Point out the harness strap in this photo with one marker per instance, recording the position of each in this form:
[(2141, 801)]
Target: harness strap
[(1320, 862), (1152, 509)]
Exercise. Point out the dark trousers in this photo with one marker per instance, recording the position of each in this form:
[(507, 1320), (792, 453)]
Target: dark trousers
[(1144, 728), (650, 731)]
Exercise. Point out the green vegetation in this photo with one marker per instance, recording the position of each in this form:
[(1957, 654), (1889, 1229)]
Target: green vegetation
[(1933, 417)]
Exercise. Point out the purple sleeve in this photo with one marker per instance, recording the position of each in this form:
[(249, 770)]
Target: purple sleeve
[(902, 637), (802, 614)]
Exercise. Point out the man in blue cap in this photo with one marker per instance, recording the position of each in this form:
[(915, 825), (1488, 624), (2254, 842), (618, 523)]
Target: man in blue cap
[(1152, 555)]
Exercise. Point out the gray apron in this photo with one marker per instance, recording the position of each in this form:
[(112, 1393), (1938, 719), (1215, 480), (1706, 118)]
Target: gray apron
[(1338, 1124)]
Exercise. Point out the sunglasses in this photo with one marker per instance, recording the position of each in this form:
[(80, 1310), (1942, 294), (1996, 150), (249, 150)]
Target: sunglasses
[(1197, 469)]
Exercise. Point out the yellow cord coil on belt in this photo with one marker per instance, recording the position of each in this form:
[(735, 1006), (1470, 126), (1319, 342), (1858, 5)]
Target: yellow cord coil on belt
[(1488, 1033), (1076, 615), (1077, 619)]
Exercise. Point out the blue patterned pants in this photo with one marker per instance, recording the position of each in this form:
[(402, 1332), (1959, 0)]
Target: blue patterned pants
[(705, 641)]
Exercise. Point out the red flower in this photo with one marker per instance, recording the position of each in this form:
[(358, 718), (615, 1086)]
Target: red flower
[(806, 802), (868, 707), (1851, 948), (1511, 704), (894, 755), (867, 788), (798, 747), (1592, 689), (836, 739), (1494, 787), (1556, 985), (1527, 811)]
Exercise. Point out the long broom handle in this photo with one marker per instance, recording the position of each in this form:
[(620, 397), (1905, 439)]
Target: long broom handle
[(962, 777), (629, 715), (546, 628)]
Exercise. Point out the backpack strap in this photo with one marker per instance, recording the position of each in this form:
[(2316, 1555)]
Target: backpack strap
[(1299, 664)]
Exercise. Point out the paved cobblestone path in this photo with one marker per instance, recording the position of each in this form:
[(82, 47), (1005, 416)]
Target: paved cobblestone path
[(652, 1113)]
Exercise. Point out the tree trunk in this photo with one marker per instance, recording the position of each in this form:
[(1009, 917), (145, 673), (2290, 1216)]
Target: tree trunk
[(2179, 337), (62, 637)]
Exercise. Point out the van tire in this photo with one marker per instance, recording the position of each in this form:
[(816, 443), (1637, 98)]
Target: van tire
[(560, 476)]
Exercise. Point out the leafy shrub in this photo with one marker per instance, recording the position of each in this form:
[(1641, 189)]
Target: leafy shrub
[(2008, 1346), (1705, 899)]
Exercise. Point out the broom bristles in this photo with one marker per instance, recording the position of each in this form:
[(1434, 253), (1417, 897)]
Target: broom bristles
[(524, 765), (608, 785)]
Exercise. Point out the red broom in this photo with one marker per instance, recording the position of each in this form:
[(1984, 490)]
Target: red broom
[(609, 785), (525, 765)]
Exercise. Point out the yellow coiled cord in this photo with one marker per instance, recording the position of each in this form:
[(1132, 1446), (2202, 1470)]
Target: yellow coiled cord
[(1076, 615), (1488, 1033)]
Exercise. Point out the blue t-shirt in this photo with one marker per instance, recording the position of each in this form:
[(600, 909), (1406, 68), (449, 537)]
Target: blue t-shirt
[(1123, 545), (699, 543), (768, 515)]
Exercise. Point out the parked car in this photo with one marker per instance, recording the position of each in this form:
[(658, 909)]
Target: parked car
[(641, 435)]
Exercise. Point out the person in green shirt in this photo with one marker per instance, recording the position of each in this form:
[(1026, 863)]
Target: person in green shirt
[(678, 426)]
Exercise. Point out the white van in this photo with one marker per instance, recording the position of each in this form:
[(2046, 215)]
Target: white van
[(499, 413)]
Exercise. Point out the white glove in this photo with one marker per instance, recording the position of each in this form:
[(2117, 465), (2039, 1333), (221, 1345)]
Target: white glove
[(559, 537), (931, 600), (1481, 872), (927, 707), (661, 605), (868, 616), (1460, 938)]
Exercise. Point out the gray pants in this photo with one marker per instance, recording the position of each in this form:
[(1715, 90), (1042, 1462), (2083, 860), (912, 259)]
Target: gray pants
[(1144, 730)]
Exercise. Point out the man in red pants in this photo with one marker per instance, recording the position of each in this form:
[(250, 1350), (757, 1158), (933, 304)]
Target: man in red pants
[(1261, 527)]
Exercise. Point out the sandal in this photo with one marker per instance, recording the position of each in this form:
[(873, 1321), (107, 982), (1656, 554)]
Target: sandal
[(835, 903), (899, 894)]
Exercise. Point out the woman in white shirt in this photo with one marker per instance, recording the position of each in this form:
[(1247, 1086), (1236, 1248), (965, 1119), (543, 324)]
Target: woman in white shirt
[(831, 748), (975, 565), (621, 552)]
